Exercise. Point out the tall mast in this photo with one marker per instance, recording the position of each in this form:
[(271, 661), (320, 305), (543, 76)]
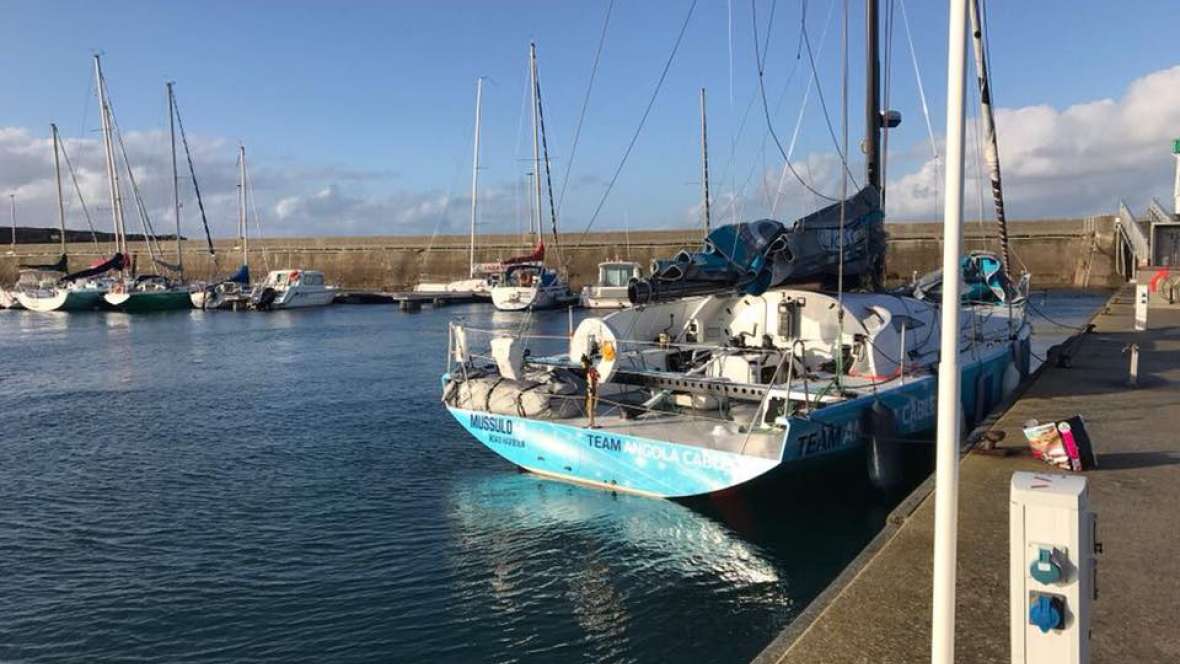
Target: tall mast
[(112, 171), (705, 162), (536, 137), (61, 206), (872, 97), (475, 173), (946, 482), (175, 180), (242, 228), (991, 150), (1176, 184), (12, 208)]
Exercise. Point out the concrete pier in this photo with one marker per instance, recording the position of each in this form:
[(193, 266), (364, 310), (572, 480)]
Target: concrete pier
[(878, 610)]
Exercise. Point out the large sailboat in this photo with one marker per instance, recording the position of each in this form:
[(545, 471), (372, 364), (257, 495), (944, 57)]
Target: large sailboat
[(527, 284), (149, 292), (45, 288), (723, 374)]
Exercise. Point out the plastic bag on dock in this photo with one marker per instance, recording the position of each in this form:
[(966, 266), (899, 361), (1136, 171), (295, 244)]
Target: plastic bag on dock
[(1064, 443)]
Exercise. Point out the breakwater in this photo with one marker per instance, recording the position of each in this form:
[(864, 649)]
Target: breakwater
[(1059, 253)]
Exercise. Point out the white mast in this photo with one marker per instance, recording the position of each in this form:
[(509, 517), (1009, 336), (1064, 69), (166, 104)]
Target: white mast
[(242, 206), (112, 171), (12, 200), (475, 172), (946, 482), (61, 206), (175, 181), (536, 138)]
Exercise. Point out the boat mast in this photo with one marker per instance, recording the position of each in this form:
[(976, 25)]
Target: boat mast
[(705, 161), (475, 174), (536, 142), (991, 150), (872, 99), (12, 207), (946, 483), (175, 180), (112, 171), (61, 206), (242, 228)]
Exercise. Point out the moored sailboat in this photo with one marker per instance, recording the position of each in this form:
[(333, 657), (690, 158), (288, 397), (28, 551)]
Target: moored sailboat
[(527, 284)]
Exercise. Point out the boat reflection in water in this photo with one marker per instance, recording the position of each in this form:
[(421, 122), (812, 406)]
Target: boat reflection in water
[(567, 568)]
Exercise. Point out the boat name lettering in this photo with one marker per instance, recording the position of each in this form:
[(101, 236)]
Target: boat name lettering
[(829, 437), (493, 424), (505, 440), (600, 442), (916, 412)]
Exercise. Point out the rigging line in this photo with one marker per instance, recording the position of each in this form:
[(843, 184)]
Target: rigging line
[(890, 10), (642, 120), (144, 220), (78, 190), (585, 103), (548, 175), (782, 178), (925, 107), (192, 172), (824, 105), (766, 111), (257, 218)]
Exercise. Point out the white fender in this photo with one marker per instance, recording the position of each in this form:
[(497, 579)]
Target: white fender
[(596, 339), (459, 344)]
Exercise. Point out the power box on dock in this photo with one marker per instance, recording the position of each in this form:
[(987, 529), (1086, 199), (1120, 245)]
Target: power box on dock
[(1053, 569)]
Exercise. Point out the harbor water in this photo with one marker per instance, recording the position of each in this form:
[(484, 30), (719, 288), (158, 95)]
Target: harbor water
[(216, 486)]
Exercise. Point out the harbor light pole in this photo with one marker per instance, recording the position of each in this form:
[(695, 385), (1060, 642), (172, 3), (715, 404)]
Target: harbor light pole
[(946, 478)]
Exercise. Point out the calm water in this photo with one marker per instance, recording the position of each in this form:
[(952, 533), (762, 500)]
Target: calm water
[(286, 486)]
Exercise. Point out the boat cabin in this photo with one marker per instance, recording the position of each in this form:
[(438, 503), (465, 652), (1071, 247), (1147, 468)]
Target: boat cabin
[(284, 279), (528, 275), (617, 274)]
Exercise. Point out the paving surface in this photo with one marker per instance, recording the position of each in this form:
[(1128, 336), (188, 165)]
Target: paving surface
[(879, 610)]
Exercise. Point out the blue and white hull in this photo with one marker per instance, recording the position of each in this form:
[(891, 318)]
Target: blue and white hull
[(620, 461)]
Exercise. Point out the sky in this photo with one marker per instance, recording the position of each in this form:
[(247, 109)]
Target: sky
[(357, 117)]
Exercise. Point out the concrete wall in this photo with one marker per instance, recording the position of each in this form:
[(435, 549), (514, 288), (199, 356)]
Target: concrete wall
[(1058, 252)]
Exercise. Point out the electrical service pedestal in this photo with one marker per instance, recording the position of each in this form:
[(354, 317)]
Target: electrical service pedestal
[(1052, 576)]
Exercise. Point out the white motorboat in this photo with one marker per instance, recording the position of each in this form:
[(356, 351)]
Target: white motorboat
[(610, 291), (293, 289)]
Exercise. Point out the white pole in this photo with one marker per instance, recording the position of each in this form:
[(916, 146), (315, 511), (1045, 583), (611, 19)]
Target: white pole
[(242, 205), (475, 173), (61, 206), (12, 200), (946, 483), (1176, 185), (536, 134)]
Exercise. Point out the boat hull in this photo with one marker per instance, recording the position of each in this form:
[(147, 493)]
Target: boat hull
[(513, 298), (9, 300), (300, 298), (623, 462), (149, 301), (62, 299)]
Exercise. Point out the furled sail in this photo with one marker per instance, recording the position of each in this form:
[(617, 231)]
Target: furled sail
[(752, 257), (116, 262), (537, 255), (242, 276)]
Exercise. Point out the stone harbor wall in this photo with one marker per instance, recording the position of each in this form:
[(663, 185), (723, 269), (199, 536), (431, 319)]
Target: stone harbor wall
[(1058, 252)]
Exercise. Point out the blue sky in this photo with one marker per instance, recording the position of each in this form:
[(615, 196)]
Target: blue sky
[(366, 106)]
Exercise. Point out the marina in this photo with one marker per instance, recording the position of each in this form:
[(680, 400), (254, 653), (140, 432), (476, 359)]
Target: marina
[(736, 337), (353, 514)]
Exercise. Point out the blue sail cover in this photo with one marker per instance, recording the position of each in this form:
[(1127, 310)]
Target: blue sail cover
[(984, 280), (242, 276), (752, 257)]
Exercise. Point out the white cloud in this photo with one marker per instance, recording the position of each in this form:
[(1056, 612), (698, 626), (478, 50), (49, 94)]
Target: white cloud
[(1076, 161)]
